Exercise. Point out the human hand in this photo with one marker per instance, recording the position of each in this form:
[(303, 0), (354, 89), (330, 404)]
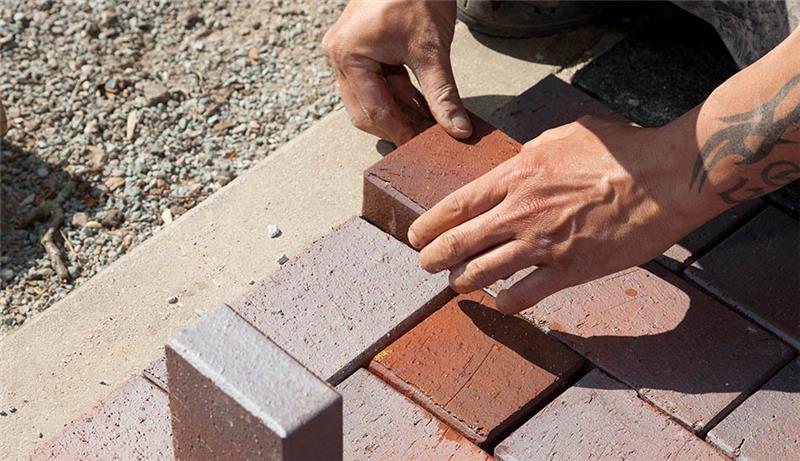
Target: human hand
[(368, 48), (579, 202)]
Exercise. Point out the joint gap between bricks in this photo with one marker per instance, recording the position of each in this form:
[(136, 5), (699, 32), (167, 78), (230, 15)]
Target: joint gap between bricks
[(722, 236), (742, 397), (759, 322), (519, 417)]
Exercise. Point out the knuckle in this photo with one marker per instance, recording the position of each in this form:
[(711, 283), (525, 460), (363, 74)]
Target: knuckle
[(455, 205), (452, 246), (360, 122)]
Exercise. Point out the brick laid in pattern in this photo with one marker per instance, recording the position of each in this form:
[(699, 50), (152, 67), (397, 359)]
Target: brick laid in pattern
[(382, 424), (343, 299), (476, 369), (696, 244), (766, 425), (757, 270), (601, 418), (234, 394), (681, 349), (131, 423)]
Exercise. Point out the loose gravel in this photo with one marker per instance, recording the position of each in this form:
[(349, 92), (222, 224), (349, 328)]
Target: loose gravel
[(134, 112)]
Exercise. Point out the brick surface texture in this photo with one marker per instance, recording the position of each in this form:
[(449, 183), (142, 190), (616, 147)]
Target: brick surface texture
[(476, 369), (766, 425), (757, 271), (344, 299), (682, 350), (601, 418), (697, 243), (131, 423), (234, 394), (381, 424)]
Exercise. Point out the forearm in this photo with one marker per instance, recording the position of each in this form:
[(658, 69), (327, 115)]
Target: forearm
[(744, 140)]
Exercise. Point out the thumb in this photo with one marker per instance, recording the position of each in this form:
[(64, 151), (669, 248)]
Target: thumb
[(439, 88)]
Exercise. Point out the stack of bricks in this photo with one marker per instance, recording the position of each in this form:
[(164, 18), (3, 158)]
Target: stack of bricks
[(351, 351)]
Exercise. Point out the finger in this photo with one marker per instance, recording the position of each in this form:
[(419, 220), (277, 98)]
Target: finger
[(536, 286), (435, 76), (498, 263), (460, 206), (405, 92), (353, 108), (372, 92), (464, 241)]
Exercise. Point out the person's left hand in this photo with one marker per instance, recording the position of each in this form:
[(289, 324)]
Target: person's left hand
[(579, 202)]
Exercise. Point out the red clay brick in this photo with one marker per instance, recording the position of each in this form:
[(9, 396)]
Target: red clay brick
[(696, 244), (766, 425), (381, 424), (423, 171), (756, 270), (234, 394), (601, 418), (682, 350), (156, 372), (343, 299), (131, 423), (476, 369)]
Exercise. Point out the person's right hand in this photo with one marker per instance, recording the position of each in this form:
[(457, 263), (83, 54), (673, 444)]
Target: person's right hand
[(368, 48)]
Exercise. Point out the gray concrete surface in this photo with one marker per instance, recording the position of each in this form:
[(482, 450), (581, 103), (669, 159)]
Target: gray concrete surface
[(110, 328)]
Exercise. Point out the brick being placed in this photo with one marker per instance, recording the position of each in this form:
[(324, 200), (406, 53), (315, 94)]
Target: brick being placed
[(756, 271), (601, 418), (421, 172), (234, 394), (343, 299), (767, 424), (131, 423), (381, 424), (682, 350), (478, 370)]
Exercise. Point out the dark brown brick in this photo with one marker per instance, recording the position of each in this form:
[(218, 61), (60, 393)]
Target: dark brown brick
[(381, 424), (679, 348), (757, 270), (548, 104), (766, 425), (131, 423), (697, 243), (234, 394), (343, 299), (476, 369), (601, 418)]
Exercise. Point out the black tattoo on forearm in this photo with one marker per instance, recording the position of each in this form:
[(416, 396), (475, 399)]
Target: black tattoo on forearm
[(775, 174), (752, 135)]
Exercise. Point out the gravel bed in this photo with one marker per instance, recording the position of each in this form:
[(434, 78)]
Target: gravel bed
[(124, 115)]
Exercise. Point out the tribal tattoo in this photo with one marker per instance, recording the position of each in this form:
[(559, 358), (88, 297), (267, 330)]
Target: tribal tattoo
[(775, 174), (751, 136)]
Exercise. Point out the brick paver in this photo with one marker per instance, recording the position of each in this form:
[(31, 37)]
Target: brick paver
[(424, 170), (476, 369), (381, 424), (548, 104), (697, 243), (344, 299), (766, 425), (234, 394), (682, 350), (601, 418), (757, 270), (131, 423)]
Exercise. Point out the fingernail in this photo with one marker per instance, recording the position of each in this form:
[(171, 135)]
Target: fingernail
[(461, 123), (412, 237)]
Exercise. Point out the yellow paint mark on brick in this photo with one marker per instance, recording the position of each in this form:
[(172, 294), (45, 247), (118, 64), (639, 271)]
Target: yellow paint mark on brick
[(382, 355)]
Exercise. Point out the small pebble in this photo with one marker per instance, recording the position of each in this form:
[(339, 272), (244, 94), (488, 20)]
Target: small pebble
[(282, 259), (3, 413), (40, 434), (172, 300), (273, 231)]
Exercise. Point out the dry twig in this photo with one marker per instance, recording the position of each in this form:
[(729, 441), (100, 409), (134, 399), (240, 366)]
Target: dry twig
[(51, 210)]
